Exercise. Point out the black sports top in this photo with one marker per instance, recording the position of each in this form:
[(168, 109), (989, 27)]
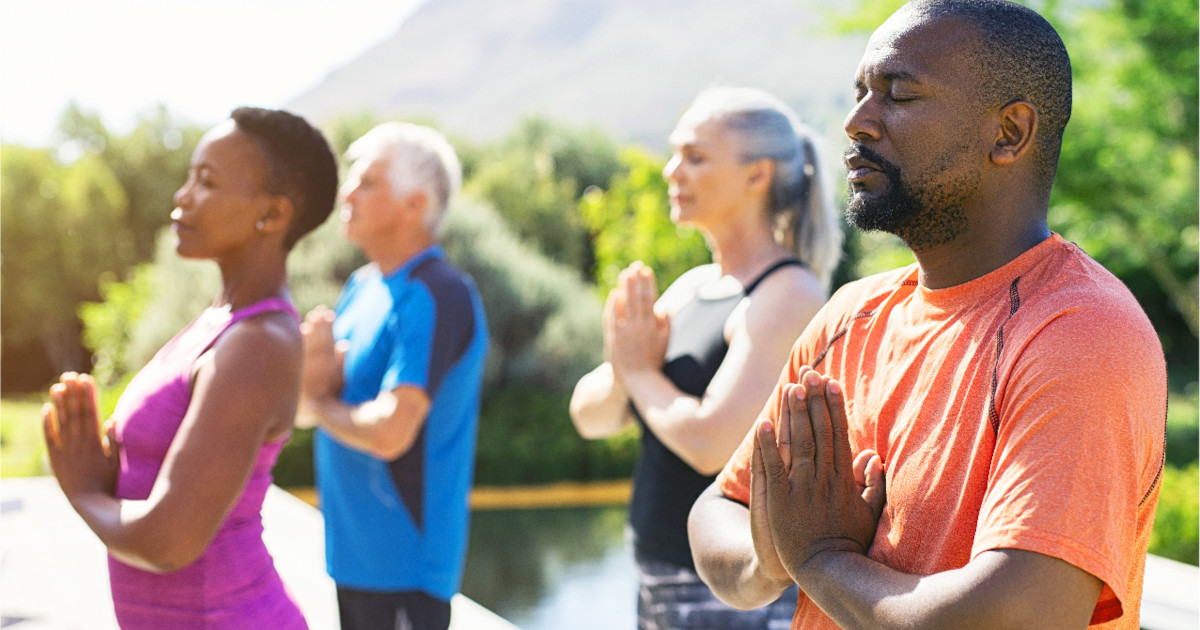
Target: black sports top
[(664, 486)]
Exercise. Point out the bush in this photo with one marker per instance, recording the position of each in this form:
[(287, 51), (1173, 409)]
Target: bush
[(1183, 430), (544, 321), (526, 437), (21, 443), (534, 178), (107, 324), (294, 468), (631, 221), (1177, 520)]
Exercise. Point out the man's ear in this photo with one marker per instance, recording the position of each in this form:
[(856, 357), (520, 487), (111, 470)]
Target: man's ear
[(278, 215), (1014, 137), (414, 205)]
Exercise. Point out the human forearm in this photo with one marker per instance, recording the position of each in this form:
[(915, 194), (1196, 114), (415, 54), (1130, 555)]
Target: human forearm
[(723, 550), (338, 419), (129, 531), (679, 421), (998, 589), (385, 427), (599, 405)]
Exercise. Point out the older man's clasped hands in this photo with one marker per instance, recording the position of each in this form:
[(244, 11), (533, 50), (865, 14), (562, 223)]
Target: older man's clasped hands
[(809, 494)]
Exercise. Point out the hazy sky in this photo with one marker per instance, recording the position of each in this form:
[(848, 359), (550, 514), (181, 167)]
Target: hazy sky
[(201, 58)]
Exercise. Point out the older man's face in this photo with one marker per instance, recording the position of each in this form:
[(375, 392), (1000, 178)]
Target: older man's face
[(367, 205), (918, 137)]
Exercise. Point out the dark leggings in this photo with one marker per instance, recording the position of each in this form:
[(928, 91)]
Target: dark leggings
[(402, 610), (671, 597)]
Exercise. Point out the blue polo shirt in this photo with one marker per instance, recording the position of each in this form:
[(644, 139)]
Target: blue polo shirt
[(402, 525)]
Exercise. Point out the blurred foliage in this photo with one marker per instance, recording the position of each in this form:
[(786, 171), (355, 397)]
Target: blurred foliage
[(543, 319), (1177, 518), (1183, 430), (1126, 190), (630, 220), (21, 442), (534, 178), (519, 444), (864, 16), (107, 324), (1176, 533), (75, 218), (50, 259)]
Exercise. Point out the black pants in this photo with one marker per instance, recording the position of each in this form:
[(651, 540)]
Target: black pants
[(401, 610)]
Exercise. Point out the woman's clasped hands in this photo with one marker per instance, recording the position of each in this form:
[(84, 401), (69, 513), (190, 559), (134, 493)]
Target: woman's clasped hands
[(84, 455), (635, 332)]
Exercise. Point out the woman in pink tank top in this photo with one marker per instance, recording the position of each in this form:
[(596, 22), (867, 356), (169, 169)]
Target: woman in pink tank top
[(174, 487)]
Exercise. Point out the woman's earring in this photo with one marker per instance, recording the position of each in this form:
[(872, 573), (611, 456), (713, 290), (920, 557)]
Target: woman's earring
[(260, 225)]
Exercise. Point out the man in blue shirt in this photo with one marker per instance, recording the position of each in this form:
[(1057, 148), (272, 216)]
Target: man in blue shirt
[(392, 381)]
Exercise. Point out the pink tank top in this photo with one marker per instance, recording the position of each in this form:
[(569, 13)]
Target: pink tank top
[(233, 584)]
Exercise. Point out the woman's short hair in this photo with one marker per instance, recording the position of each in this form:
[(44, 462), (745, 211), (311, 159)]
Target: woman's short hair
[(300, 164)]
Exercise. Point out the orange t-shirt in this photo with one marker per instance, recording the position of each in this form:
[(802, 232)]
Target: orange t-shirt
[(1024, 409)]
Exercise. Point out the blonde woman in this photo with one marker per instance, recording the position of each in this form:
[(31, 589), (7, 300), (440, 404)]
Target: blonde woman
[(694, 366)]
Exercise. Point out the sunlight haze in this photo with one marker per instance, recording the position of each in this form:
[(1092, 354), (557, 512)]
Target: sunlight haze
[(201, 59)]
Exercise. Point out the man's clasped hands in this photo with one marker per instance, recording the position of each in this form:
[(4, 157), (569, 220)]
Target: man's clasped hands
[(808, 493)]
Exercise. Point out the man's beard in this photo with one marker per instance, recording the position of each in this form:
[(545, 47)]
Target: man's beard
[(922, 216)]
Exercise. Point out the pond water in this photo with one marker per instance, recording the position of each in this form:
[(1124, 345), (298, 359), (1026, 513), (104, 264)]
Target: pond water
[(553, 568)]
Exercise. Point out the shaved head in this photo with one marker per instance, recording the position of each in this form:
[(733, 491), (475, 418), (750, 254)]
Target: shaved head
[(1020, 57)]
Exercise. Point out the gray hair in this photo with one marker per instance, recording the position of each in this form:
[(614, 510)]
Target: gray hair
[(799, 201), (419, 158)]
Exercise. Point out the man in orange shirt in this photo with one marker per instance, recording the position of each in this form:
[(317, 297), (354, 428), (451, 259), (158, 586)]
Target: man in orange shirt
[(1005, 395)]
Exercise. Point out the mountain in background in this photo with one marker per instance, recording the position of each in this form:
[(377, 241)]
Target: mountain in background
[(628, 67)]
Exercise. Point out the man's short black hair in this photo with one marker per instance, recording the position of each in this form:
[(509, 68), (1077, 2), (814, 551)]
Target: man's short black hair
[(1021, 58), (301, 165)]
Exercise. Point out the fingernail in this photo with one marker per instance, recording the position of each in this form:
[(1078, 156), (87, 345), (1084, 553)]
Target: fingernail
[(767, 428), (812, 379), (835, 388)]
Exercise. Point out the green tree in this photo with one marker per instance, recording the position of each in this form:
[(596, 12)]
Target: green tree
[(61, 231), (1127, 182), (107, 324), (88, 211), (534, 178), (631, 221), (150, 163)]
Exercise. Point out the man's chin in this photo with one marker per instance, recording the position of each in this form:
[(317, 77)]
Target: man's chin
[(867, 214)]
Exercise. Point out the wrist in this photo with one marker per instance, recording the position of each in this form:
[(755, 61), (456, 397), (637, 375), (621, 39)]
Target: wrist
[(633, 375), (317, 406), (817, 565), (83, 498), (773, 579)]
